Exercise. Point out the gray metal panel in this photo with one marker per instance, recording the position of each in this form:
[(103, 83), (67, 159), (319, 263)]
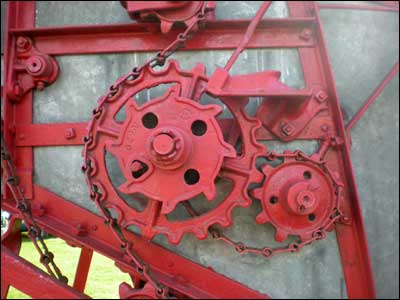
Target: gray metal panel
[(3, 25), (362, 46)]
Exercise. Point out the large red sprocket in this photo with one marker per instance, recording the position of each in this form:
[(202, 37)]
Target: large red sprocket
[(160, 150)]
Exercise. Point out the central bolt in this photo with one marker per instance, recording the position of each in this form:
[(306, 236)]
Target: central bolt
[(305, 202), (163, 144), (168, 147)]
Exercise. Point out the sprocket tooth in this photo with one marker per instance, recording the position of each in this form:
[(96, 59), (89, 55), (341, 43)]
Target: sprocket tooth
[(227, 221), (229, 152), (257, 193), (127, 188), (199, 69), (267, 169), (305, 236), (175, 238), (331, 228), (167, 207), (173, 65), (202, 234), (213, 110), (166, 26), (262, 218), (173, 90), (280, 235), (257, 176), (210, 192)]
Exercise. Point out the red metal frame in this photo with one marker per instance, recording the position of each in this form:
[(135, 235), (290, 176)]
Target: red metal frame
[(13, 266), (86, 230)]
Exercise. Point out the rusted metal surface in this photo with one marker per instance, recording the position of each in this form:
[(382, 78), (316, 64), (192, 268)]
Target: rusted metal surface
[(174, 148)]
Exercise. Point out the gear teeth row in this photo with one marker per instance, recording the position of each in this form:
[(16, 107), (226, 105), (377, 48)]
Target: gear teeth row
[(193, 84)]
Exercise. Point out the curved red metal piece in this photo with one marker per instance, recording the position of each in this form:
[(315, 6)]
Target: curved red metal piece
[(33, 69), (168, 12), (127, 292)]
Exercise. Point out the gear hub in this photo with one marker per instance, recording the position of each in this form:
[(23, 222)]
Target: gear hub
[(169, 138), (297, 198)]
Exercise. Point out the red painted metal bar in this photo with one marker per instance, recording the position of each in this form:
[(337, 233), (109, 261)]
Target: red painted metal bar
[(54, 134), (12, 240), (248, 34), (225, 34), (351, 237), (183, 275), (378, 90), (356, 7), (71, 134), (82, 271), (20, 15), (392, 4), (32, 281)]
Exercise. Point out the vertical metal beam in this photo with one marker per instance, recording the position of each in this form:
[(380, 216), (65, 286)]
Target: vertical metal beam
[(20, 15), (356, 7), (351, 236), (82, 271)]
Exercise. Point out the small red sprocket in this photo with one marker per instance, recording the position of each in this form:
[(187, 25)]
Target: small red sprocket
[(297, 198)]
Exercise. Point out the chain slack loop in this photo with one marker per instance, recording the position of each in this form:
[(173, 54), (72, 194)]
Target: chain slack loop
[(24, 207), (295, 247)]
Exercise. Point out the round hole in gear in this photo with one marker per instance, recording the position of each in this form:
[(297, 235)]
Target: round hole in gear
[(138, 172), (273, 200), (191, 176), (307, 175), (199, 128), (150, 120), (311, 217)]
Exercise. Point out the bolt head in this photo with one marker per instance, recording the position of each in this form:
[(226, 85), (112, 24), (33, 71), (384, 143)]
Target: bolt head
[(287, 129), (18, 90), (40, 86), (322, 96), (325, 128), (163, 144), (23, 43), (306, 34), (70, 133), (34, 65)]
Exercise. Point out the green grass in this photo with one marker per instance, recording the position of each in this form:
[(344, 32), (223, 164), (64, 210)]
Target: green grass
[(104, 277)]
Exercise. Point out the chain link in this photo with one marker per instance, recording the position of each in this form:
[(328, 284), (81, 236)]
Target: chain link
[(95, 191), (34, 231), (318, 234)]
